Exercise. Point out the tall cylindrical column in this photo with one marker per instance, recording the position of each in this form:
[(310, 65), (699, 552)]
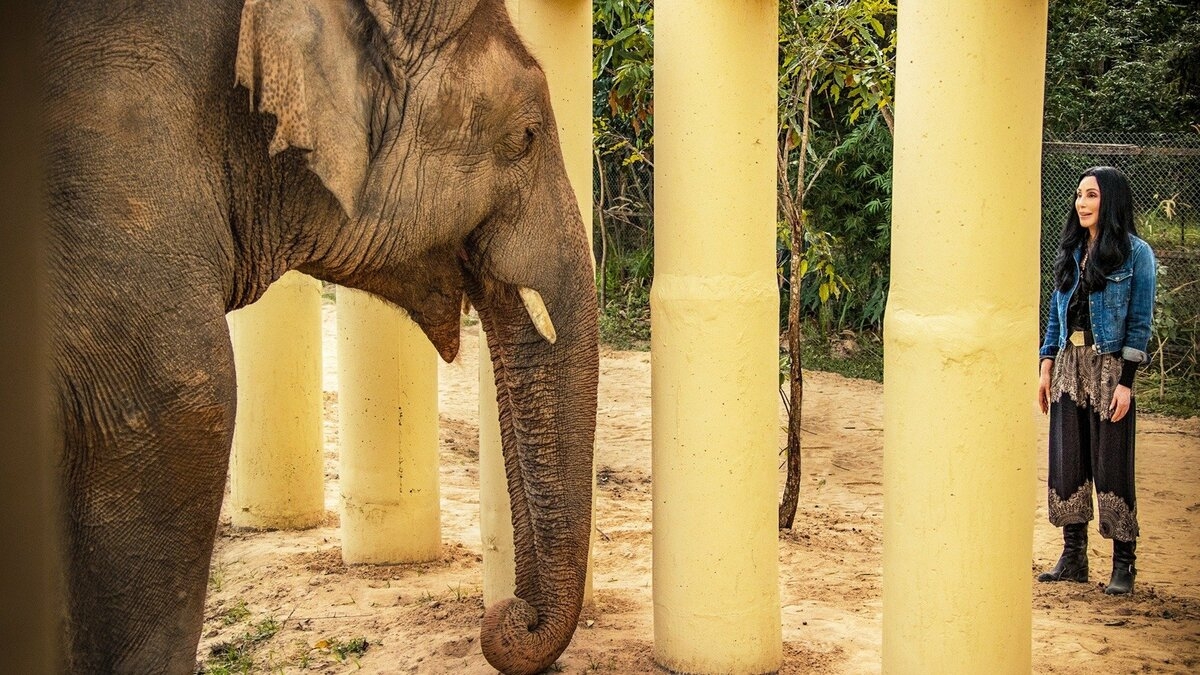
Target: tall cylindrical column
[(387, 391), (714, 348), (495, 510), (559, 33), (960, 338), (276, 478)]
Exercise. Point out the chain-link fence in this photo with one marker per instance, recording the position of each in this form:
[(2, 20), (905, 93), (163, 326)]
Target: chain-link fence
[(1165, 175)]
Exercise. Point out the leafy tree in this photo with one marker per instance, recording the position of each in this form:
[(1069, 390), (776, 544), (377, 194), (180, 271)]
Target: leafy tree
[(850, 204), (841, 51), (1122, 65), (622, 131)]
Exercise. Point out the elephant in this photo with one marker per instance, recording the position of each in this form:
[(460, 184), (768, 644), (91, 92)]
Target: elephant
[(197, 151)]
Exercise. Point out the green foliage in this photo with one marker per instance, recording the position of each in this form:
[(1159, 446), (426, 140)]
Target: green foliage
[(1167, 395), (216, 577), (263, 630), (352, 648), (1122, 65), (235, 614), (623, 60), (625, 326), (850, 354), (1175, 335), (837, 64), (845, 48), (818, 265), (1165, 231), (849, 206), (623, 193), (625, 314), (229, 658), (237, 655)]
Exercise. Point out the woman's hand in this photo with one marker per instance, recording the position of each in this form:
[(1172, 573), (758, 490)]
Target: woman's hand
[(1119, 406), (1044, 385)]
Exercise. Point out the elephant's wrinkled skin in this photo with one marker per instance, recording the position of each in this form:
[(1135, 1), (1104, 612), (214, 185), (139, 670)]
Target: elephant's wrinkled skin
[(196, 152)]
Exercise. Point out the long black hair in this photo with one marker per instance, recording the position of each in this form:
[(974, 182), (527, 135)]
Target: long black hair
[(1116, 225)]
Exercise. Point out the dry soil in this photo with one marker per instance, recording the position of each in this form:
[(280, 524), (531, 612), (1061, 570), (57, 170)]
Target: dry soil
[(424, 618)]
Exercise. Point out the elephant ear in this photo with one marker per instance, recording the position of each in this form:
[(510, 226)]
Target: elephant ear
[(301, 62)]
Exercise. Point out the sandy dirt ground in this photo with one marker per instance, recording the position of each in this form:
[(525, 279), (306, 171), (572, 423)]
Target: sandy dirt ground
[(287, 597)]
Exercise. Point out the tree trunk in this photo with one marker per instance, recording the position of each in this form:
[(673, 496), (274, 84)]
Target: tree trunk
[(603, 266), (795, 215), (791, 490)]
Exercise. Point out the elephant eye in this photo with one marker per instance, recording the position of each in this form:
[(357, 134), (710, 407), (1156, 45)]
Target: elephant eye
[(518, 144)]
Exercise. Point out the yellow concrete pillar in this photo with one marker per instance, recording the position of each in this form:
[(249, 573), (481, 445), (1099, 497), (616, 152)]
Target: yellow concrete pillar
[(559, 33), (714, 348), (387, 391), (276, 477), (495, 510), (959, 338)]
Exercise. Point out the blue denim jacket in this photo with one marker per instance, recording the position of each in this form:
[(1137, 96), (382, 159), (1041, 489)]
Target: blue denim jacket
[(1120, 313)]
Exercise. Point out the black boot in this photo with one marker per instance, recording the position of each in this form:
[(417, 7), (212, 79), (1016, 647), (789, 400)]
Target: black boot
[(1073, 564), (1123, 571)]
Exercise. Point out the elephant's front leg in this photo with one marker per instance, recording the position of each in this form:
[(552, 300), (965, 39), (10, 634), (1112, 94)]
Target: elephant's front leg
[(148, 426)]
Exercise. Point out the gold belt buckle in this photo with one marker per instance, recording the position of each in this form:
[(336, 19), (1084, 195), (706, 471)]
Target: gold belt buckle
[(1077, 338)]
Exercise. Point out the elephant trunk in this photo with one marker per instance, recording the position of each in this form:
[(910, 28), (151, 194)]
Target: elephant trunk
[(547, 402)]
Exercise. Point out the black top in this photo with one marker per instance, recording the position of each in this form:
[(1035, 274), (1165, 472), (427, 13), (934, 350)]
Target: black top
[(1079, 317)]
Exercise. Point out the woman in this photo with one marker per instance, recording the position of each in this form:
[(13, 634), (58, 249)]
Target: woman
[(1096, 336)]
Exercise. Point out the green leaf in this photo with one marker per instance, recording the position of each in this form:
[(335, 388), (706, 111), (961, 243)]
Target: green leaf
[(605, 57), (625, 33)]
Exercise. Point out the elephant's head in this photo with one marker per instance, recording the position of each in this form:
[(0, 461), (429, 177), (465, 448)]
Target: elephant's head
[(431, 125)]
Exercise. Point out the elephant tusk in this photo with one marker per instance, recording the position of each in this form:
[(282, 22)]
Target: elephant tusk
[(537, 311)]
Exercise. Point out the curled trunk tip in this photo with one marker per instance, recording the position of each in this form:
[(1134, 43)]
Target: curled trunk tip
[(515, 644)]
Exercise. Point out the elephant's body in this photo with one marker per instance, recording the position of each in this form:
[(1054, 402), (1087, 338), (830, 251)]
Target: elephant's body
[(143, 270), (173, 201)]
